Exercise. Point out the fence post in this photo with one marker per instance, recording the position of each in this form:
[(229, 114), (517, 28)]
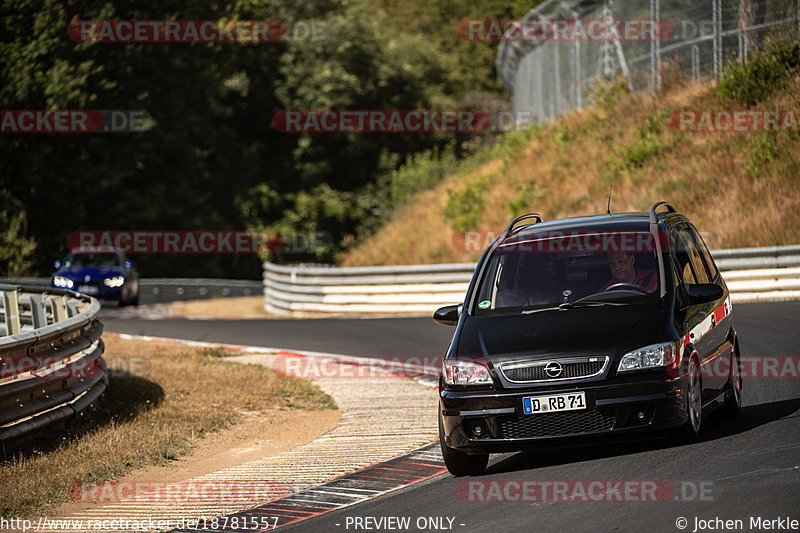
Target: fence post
[(716, 16), (606, 50), (540, 81), (557, 68), (655, 49)]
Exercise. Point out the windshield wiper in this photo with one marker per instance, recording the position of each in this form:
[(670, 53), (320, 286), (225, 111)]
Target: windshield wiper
[(529, 309), (587, 303)]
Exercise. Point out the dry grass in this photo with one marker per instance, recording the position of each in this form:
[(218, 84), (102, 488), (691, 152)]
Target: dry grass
[(162, 398), (743, 189)]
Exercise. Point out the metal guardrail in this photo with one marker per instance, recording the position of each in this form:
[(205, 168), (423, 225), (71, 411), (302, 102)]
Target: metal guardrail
[(174, 288), (752, 274), (51, 357)]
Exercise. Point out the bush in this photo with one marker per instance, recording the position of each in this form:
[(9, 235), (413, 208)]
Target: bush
[(520, 203), (422, 171), (767, 71), (463, 209), (648, 145)]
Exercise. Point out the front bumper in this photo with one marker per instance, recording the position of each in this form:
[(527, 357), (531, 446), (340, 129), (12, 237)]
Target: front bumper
[(623, 408), (97, 289)]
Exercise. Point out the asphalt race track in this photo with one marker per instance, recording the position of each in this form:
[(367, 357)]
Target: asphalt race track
[(365, 337), (741, 469)]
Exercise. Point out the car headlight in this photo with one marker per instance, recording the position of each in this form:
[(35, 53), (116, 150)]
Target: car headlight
[(466, 373), (653, 356), (61, 281), (116, 281)]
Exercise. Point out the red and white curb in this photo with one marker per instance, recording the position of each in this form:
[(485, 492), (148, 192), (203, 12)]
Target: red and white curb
[(348, 490)]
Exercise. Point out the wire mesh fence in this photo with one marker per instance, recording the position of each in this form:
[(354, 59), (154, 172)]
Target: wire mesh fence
[(551, 58)]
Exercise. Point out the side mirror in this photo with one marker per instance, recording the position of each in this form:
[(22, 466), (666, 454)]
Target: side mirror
[(701, 293), (447, 315), (57, 263)]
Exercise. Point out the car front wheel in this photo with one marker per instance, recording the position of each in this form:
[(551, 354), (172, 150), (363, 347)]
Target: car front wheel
[(694, 402), (460, 463), (733, 396)]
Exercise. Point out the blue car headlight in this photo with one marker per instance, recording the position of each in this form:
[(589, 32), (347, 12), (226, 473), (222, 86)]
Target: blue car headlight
[(116, 281), (62, 282)]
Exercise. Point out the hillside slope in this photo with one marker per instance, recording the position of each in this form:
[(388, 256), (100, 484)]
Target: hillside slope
[(741, 189)]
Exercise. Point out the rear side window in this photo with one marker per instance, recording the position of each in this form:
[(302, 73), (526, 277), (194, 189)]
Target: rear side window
[(707, 259), (687, 258)]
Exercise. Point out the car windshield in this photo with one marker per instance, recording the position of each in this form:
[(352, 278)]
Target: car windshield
[(82, 259), (568, 270)]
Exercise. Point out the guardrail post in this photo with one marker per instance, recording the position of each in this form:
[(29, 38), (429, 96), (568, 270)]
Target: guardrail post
[(59, 306), (72, 309), (11, 303), (38, 312)]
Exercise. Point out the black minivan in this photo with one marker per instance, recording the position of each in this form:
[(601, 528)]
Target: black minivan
[(615, 324)]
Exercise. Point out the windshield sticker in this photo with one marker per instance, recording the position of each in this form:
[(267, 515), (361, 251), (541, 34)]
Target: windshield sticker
[(484, 304)]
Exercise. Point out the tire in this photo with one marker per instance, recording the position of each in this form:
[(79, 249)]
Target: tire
[(460, 463), (694, 403), (733, 396)]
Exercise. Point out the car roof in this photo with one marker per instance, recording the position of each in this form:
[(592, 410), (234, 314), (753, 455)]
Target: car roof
[(635, 221), (95, 249)]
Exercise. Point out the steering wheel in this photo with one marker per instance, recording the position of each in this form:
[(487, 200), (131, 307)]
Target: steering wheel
[(631, 286)]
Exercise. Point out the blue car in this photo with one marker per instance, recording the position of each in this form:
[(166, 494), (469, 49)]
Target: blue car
[(103, 273)]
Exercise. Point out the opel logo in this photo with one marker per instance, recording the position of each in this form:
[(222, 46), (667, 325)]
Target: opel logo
[(553, 369)]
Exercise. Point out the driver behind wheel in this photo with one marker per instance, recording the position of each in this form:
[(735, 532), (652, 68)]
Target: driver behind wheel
[(624, 270)]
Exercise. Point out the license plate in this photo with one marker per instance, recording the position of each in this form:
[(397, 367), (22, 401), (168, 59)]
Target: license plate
[(87, 289), (554, 403)]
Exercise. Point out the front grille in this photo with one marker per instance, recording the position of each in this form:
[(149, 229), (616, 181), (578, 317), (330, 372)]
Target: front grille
[(571, 369), (557, 424)]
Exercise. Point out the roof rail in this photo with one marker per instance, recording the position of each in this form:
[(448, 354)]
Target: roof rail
[(510, 227), (657, 240), (656, 206)]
